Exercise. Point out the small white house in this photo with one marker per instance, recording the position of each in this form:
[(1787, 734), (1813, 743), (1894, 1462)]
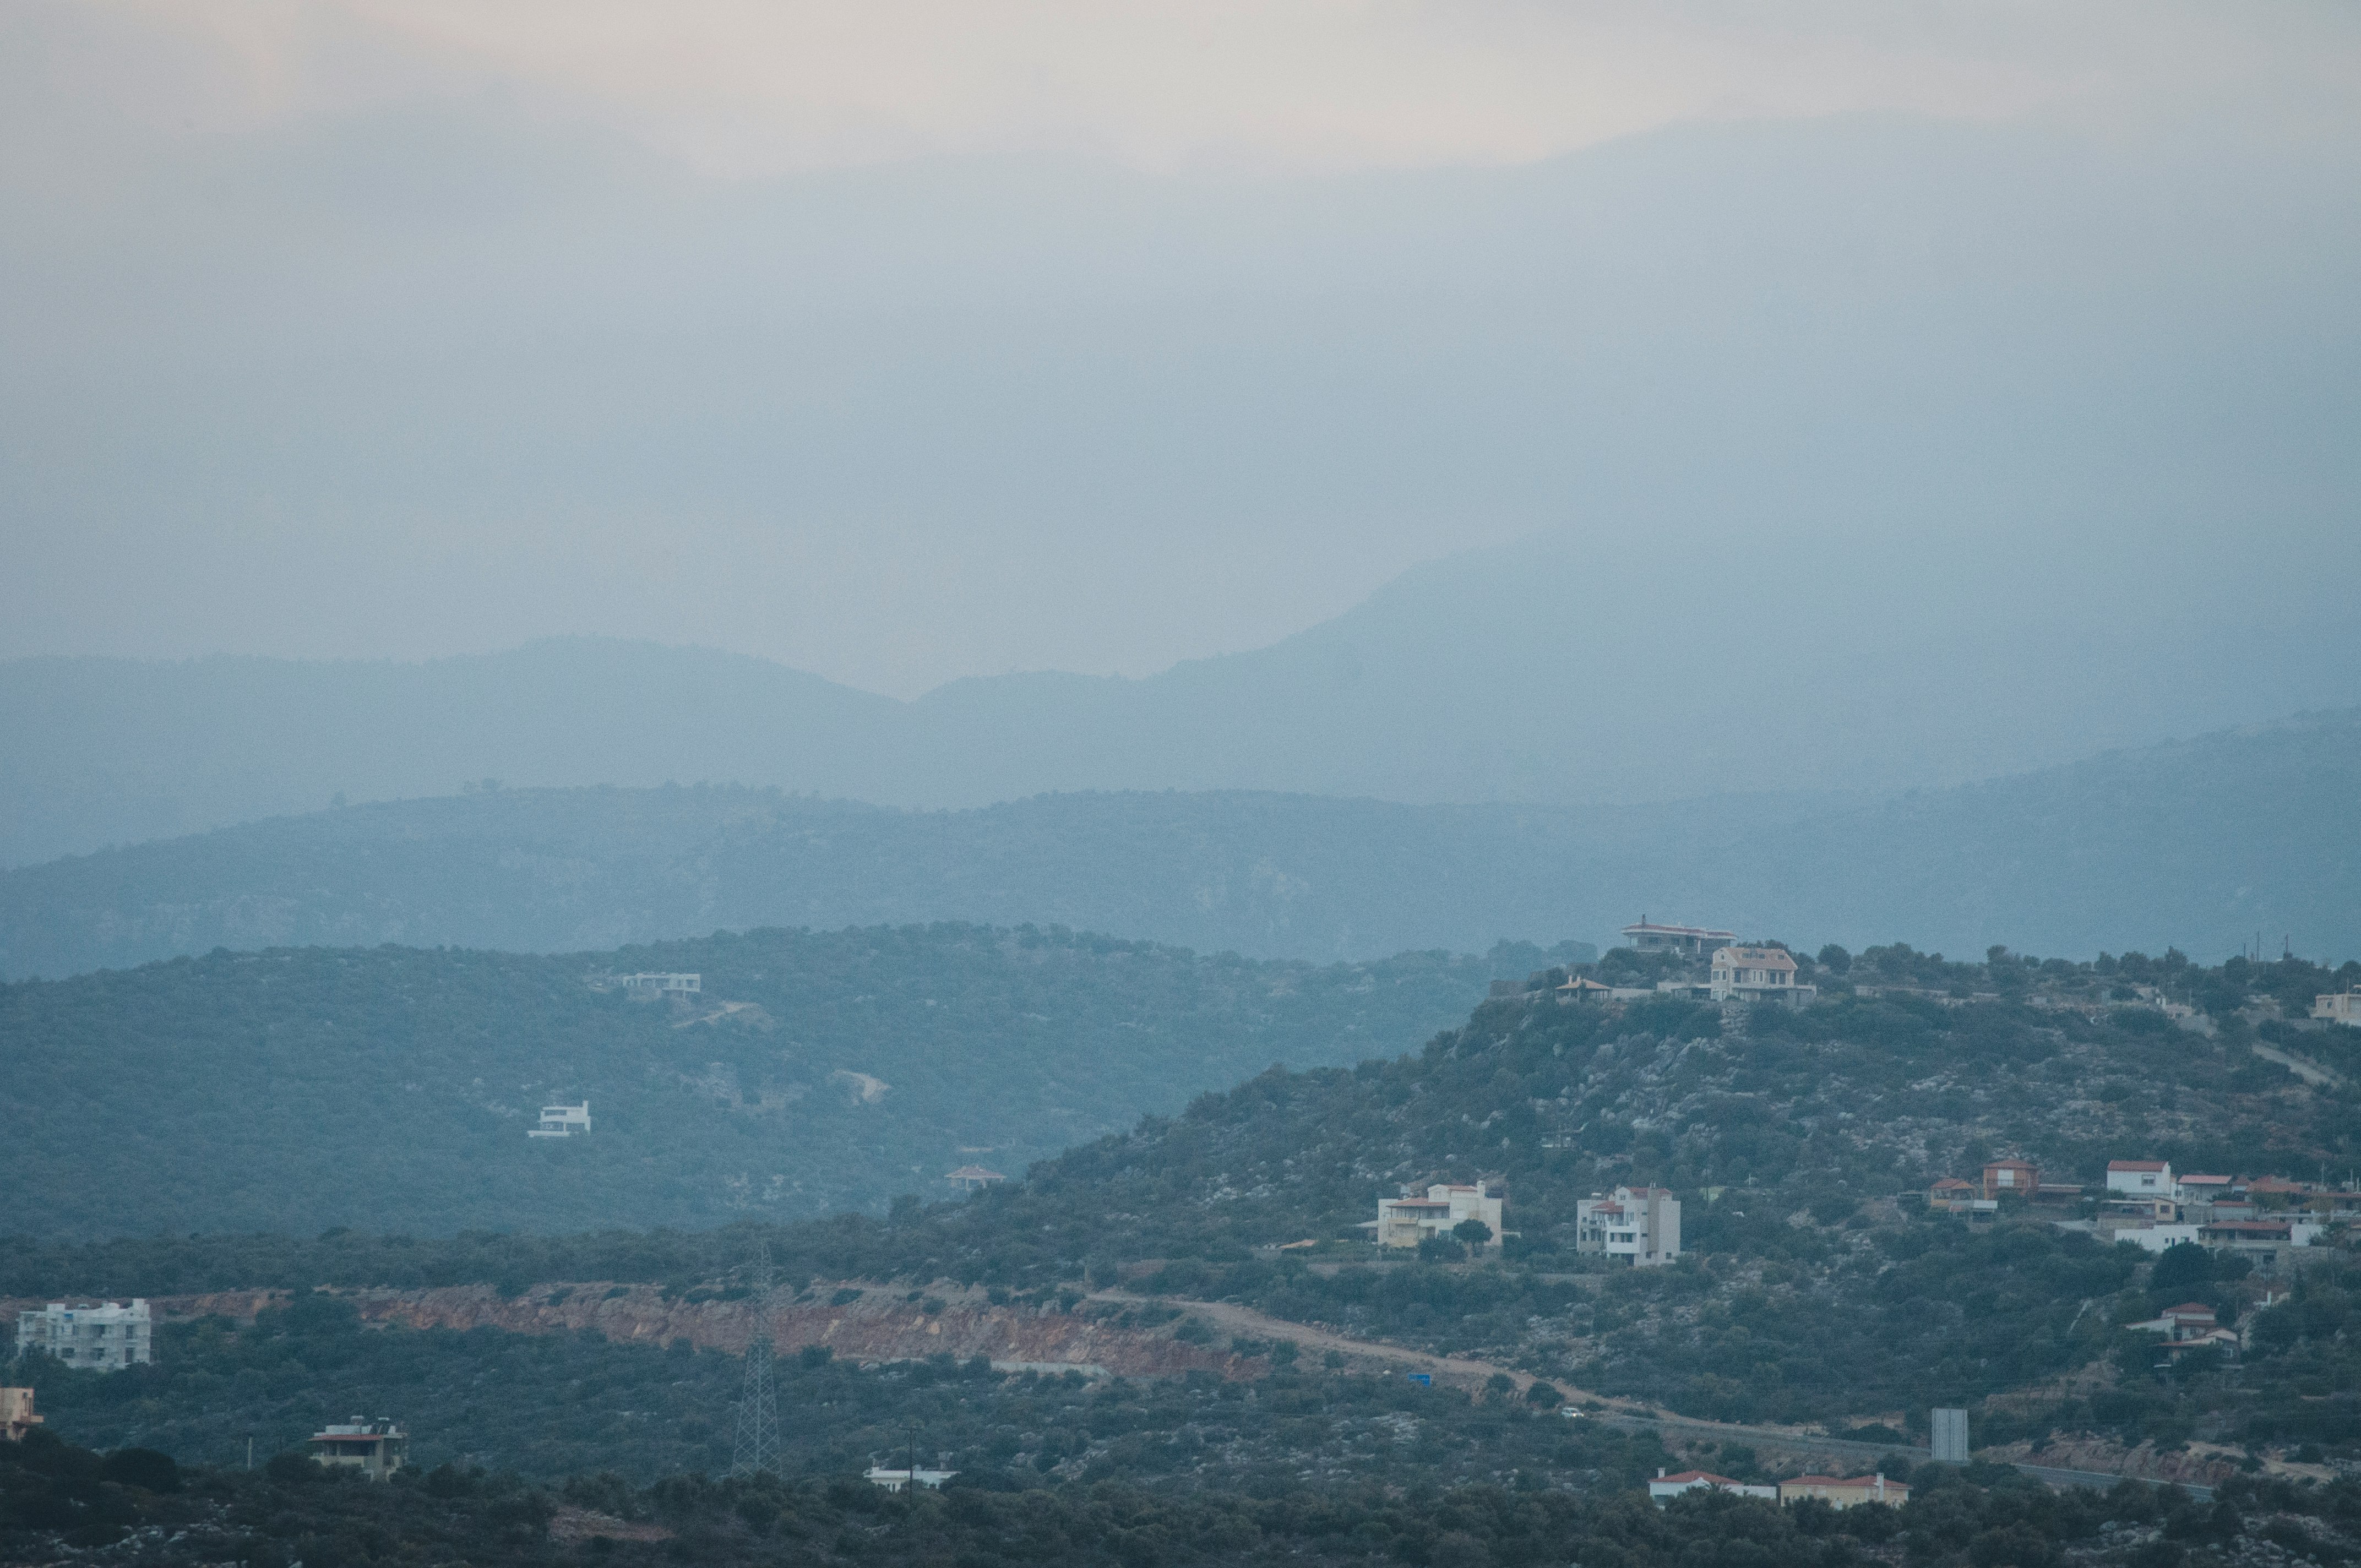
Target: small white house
[(2140, 1177), (2155, 1238), (649, 986), (1643, 1224), (563, 1121), (896, 1480), (100, 1337), (1407, 1220), (1664, 1488)]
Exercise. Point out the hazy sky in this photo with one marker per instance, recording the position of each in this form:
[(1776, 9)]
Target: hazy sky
[(908, 340)]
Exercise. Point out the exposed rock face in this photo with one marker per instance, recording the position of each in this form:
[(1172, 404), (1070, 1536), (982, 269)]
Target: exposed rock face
[(2195, 1466), (880, 1325)]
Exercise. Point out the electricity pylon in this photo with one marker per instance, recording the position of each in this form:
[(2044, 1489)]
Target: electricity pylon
[(757, 1447)]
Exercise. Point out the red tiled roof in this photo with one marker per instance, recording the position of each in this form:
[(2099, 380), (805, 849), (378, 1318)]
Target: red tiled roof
[(1840, 1481)]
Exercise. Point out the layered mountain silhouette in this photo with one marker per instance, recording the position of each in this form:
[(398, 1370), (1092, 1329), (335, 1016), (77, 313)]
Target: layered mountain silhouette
[(1638, 671), (2235, 838)]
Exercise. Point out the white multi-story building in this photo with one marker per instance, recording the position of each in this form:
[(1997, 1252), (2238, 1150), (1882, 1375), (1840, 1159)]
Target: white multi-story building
[(1643, 1224), (562, 1121), (1407, 1220), (103, 1337), (2140, 1177), (653, 985), (1757, 974)]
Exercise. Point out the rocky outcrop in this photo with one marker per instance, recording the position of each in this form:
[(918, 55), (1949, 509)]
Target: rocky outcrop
[(874, 1324), (878, 1324), (2083, 1452)]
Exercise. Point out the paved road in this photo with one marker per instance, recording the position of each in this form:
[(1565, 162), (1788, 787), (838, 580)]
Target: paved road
[(2101, 1481), (1234, 1319), (2304, 1068)]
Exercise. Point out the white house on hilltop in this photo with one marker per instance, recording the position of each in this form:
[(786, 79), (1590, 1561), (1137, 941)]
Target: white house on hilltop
[(1757, 974), (1645, 935)]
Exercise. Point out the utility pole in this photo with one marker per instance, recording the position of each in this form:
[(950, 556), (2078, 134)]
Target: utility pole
[(757, 1448)]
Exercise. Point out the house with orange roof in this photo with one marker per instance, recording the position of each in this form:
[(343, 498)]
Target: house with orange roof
[(1839, 1492)]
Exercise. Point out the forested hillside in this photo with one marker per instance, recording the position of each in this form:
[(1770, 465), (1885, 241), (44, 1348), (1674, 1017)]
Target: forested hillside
[(2062, 860), (59, 1501), (1809, 1294), (391, 1087)]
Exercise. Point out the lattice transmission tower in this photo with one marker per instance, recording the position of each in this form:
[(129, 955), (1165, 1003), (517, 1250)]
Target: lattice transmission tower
[(757, 1447)]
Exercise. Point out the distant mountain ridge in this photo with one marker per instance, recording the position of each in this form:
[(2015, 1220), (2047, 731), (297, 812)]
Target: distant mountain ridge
[(1547, 674), (2210, 844)]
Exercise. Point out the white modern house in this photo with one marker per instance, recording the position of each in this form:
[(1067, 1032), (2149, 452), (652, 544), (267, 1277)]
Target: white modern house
[(2140, 1177), (102, 1337), (650, 986), (1646, 936), (1664, 1489), (1407, 1220), (896, 1480), (1643, 1224), (562, 1122)]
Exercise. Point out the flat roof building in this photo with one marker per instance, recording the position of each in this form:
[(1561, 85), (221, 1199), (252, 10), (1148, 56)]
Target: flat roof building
[(647, 986), (1407, 1220), (97, 1336), (1664, 1489), (1645, 935), (1642, 1223), (377, 1449), (2339, 1007), (563, 1121), (896, 1480), (17, 1415)]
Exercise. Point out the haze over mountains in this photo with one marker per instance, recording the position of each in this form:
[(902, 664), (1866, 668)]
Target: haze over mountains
[(2210, 844), (1638, 671)]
